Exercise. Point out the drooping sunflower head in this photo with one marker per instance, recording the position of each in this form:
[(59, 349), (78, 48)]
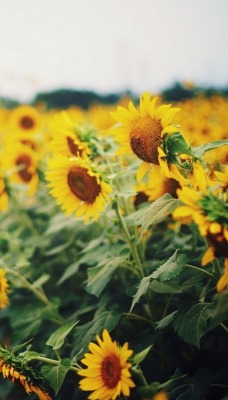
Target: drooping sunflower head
[(107, 374), (142, 131), (20, 162), (77, 186), (25, 118), (208, 208), (13, 368), (4, 289)]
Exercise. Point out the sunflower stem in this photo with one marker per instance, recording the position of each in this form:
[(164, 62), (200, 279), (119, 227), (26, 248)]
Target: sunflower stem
[(54, 362), (201, 270), (216, 268), (40, 295), (137, 317), (129, 240)]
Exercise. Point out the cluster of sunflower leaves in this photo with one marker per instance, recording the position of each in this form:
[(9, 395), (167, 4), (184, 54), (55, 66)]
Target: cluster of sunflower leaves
[(70, 280)]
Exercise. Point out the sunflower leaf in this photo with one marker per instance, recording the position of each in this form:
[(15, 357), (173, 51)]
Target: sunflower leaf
[(171, 268), (158, 211), (176, 144), (99, 276), (56, 340), (191, 321), (56, 375), (199, 151)]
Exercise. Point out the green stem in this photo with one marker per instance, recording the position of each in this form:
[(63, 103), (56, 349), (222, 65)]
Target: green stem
[(26, 221), (224, 327), (201, 270), (54, 362), (137, 318), (138, 372), (40, 295), (129, 241), (220, 385), (216, 268)]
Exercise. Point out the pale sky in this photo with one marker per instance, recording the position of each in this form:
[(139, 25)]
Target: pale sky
[(111, 45)]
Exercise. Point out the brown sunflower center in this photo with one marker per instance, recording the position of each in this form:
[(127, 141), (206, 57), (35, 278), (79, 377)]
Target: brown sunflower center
[(27, 122), (219, 243), (111, 371), (24, 161), (73, 147), (145, 138), (84, 186), (171, 186)]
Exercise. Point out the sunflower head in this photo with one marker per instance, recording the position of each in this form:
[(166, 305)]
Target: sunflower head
[(4, 196), (20, 162), (25, 118), (4, 289), (77, 186), (142, 130), (13, 368), (107, 374)]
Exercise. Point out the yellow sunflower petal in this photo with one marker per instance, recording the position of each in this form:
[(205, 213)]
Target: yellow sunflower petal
[(208, 256)]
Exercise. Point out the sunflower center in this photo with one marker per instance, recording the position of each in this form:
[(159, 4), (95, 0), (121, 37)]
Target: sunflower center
[(24, 161), (84, 186), (73, 147), (145, 138), (171, 186), (27, 122), (111, 371)]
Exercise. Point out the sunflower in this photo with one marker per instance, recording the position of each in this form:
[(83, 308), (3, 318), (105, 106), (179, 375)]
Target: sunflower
[(223, 281), (26, 139), (107, 374), (25, 118), (77, 186), (4, 198), (4, 289), (68, 143), (20, 162), (11, 372), (209, 210), (142, 131), (157, 184)]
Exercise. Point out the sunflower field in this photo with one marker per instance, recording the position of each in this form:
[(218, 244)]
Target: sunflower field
[(114, 251)]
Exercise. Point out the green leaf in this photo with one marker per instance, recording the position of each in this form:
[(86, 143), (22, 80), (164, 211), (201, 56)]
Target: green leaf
[(219, 309), (161, 287), (199, 151), (164, 322), (158, 211), (89, 257), (56, 375), (139, 357), (142, 289), (148, 391), (176, 144), (20, 346), (31, 355), (99, 276), (171, 268), (56, 340), (191, 322), (87, 332)]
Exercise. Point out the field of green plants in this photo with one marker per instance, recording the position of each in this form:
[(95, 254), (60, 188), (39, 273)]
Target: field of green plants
[(114, 250)]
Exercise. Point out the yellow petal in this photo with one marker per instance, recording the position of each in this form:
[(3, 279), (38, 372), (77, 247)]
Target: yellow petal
[(142, 171), (208, 256)]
